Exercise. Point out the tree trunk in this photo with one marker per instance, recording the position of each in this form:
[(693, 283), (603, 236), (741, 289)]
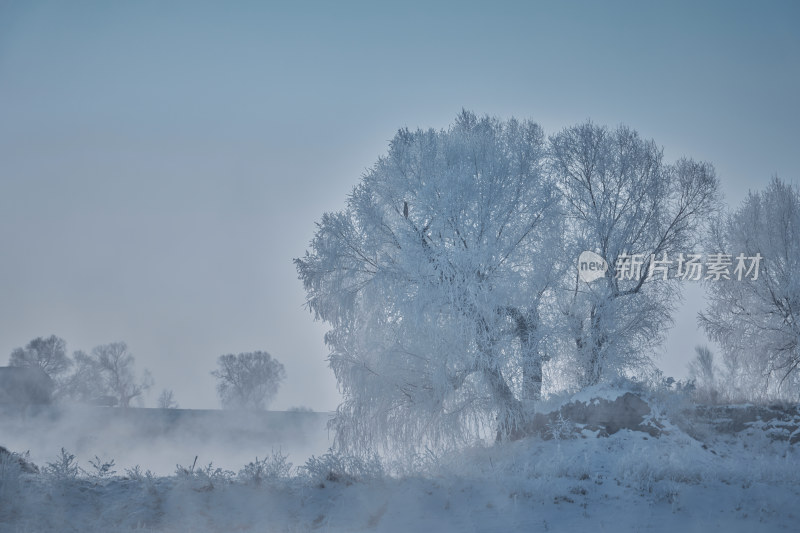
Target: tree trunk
[(532, 359), (511, 420), (594, 366)]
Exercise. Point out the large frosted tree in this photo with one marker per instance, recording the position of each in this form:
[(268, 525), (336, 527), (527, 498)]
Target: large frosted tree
[(755, 314), (433, 280), (626, 204)]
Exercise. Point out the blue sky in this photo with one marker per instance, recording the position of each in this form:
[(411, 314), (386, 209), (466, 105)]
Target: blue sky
[(161, 163)]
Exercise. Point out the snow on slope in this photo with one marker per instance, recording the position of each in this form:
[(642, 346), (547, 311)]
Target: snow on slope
[(629, 481)]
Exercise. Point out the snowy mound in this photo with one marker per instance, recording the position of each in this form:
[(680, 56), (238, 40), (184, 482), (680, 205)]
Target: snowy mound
[(602, 416), (776, 422), (604, 410)]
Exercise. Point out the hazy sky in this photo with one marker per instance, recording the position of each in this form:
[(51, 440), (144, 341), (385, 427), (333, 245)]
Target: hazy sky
[(161, 163)]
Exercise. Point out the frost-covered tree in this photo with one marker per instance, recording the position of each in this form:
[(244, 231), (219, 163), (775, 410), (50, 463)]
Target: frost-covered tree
[(248, 380), (107, 376), (49, 354), (116, 366), (85, 384), (703, 370), (166, 400), (755, 315), (433, 280), (623, 201)]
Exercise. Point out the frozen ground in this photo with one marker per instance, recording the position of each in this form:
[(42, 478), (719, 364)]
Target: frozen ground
[(629, 481)]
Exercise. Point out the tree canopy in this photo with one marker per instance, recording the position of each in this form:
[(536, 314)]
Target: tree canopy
[(448, 279), (248, 380)]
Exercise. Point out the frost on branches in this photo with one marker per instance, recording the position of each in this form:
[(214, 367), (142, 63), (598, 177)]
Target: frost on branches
[(432, 280), (449, 279), (757, 321), (623, 200)]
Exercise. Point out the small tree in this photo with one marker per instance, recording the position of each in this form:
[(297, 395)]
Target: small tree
[(166, 400), (703, 370), (48, 354), (248, 380)]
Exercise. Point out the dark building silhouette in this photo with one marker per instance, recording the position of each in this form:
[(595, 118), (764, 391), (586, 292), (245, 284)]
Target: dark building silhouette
[(24, 386)]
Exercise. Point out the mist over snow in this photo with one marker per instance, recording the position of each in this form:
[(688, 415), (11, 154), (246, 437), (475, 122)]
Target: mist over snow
[(159, 439), (679, 469)]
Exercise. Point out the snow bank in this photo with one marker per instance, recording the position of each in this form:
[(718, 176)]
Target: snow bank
[(628, 480)]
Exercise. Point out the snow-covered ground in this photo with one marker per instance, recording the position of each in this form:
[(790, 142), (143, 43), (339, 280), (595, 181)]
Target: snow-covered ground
[(628, 481)]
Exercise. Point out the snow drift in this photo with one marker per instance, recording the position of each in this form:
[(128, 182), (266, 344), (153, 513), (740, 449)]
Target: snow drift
[(619, 461)]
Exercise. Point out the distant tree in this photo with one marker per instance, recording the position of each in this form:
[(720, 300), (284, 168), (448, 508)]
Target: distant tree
[(105, 375), (248, 380), (85, 384), (756, 319), (49, 354), (166, 400), (622, 200), (116, 366), (703, 370)]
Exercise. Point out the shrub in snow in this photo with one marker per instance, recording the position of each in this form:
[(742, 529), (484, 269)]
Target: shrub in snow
[(272, 468), (202, 479), (561, 428), (135, 473), (660, 474), (64, 468), (340, 468), (101, 469)]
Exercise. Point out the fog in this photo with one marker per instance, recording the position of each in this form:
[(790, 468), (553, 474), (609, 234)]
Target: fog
[(160, 439)]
